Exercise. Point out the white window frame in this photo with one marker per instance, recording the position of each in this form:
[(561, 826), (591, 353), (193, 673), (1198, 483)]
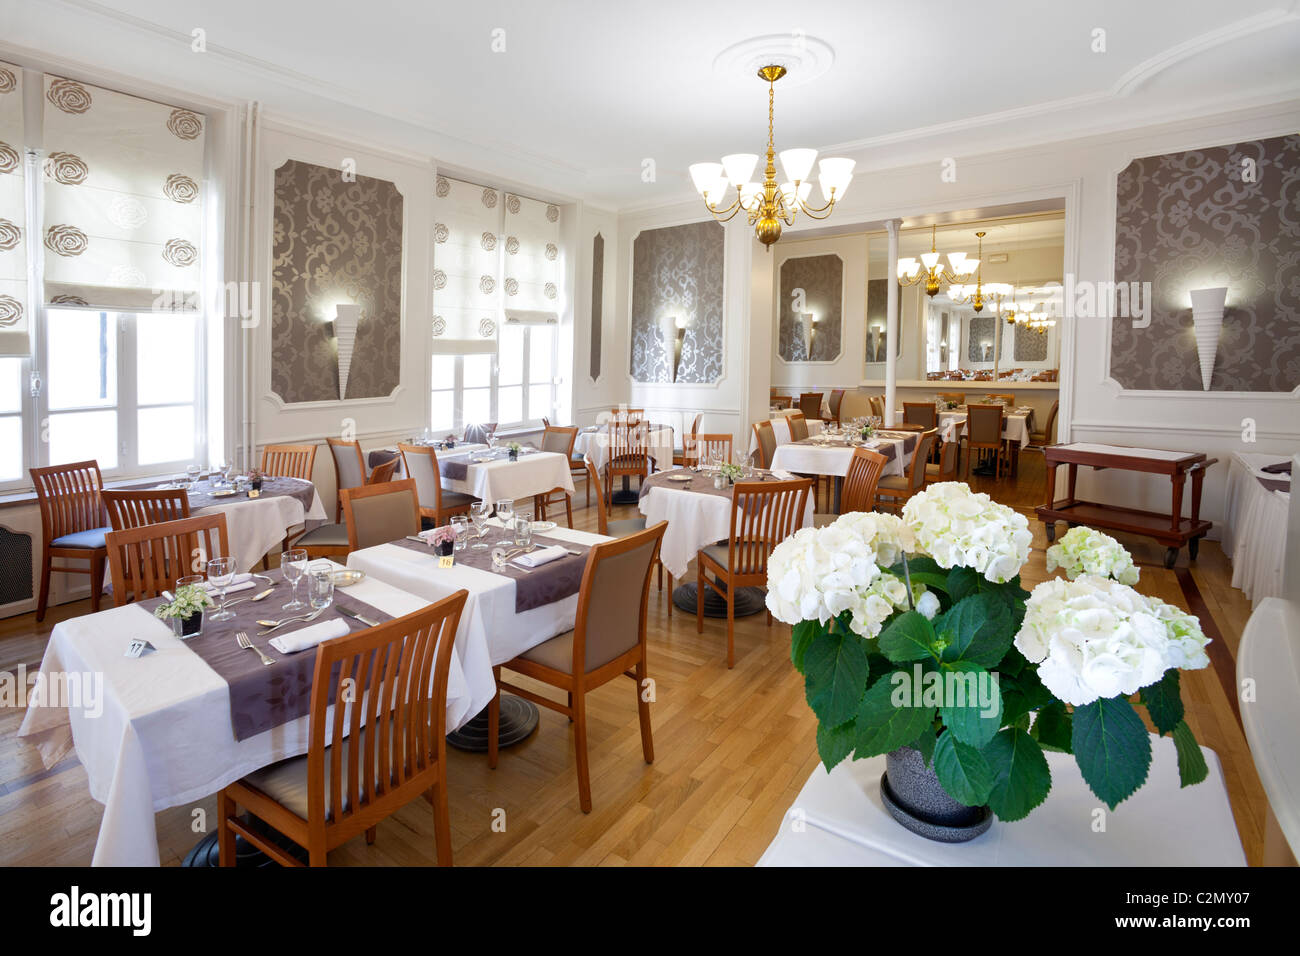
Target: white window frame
[(532, 417)]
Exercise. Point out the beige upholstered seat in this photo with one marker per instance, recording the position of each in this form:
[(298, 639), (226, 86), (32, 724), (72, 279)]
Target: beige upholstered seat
[(349, 469), (798, 427), (421, 462), (766, 443), (558, 439), (376, 514), (285, 782)]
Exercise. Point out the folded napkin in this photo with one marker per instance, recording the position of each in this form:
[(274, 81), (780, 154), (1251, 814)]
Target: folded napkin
[(1281, 468), (239, 582), (783, 475), (541, 556), (308, 637)]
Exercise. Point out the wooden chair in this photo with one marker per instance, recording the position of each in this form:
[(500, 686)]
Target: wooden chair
[(679, 454), (877, 405), (377, 514), (763, 514), (629, 453), (622, 527), (946, 469), (920, 413), (396, 727), (984, 433), (782, 401), (893, 490), (858, 492), (608, 641), (437, 505), (73, 525), (145, 561), (289, 461), (810, 403), (704, 448), (766, 439), (560, 440), (628, 416), (798, 426), (1045, 436), (836, 400), (135, 509), (349, 469), (383, 472)]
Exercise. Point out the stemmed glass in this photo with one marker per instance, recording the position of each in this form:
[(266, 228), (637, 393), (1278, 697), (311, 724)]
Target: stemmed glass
[(221, 571), (505, 511), (478, 513), (293, 563)]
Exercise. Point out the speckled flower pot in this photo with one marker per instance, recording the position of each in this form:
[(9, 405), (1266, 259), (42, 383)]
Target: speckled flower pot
[(914, 797)]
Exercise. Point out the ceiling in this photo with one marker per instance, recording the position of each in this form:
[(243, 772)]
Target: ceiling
[(585, 93)]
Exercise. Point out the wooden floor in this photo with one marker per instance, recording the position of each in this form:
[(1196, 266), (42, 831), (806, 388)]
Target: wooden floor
[(733, 747)]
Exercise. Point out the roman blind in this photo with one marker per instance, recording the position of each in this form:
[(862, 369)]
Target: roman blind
[(15, 312), (466, 267), (532, 258), (122, 199)]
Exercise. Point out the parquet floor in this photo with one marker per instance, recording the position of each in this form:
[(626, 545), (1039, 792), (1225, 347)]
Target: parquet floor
[(733, 748)]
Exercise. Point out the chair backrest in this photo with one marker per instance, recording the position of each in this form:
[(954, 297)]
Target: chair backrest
[(593, 475), (920, 413), (836, 400), (376, 514), (289, 461), (629, 447), (766, 439), (480, 434), (695, 424), (706, 448), (559, 438), (957, 398), (1051, 421), (615, 586), (984, 424), (421, 464), (69, 497), (798, 426), (628, 415), (145, 561), (948, 460), (763, 514), (783, 401), (349, 469), (810, 403), (135, 509), (877, 405), (1008, 397), (920, 455), (859, 491), (394, 678), (383, 472)]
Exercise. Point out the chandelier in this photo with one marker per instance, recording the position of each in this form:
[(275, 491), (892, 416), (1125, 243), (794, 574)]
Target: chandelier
[(909, 270), (767, 204), (961, 294)]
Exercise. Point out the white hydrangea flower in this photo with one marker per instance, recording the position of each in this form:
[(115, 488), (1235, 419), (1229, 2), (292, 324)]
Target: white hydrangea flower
[(928, 604), (1094, 638), (1087, 551), (961, 528)]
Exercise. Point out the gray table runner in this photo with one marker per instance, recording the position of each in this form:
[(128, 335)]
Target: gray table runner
[(201, 494), (1274, 484), (262, 696), (457, 468), (700, 483)]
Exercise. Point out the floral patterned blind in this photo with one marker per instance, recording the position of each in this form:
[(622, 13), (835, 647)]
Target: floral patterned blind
[(532, 256), (122, 200), (14, 309), (466, 267)]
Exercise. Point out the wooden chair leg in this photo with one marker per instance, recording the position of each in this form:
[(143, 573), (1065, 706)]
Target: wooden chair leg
[(96, 579), (570, 697), (568, 509), (731, 625), (670, 594), (225, 836), (494, 718), (699, 597), (643, 711), (580, 749), (371, 834), (442, 818), (44, 598)]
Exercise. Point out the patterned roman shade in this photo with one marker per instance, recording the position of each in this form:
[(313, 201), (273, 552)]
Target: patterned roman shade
[(122, 200), (466, 267), (15, 311), (532, 256)]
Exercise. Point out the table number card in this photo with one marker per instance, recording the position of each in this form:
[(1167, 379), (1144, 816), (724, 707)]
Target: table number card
[(446, 560), (139, 647)]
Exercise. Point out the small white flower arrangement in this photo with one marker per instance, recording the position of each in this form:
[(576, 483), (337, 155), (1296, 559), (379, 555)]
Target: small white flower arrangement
[(1086, 551), (731, 472), (190, 599)]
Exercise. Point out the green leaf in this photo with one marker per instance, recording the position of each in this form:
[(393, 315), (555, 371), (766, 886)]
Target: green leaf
[(1163, 701), (1191, 762), (887, 720), (1021, 779), (835, 674), (1022, 695), (977, 628), (909, 637), (835, 743), (1052, 728), (972, 721), (1112, 748), (925, 744), (801, 636), (1012, 663), (962, 771), (922, 570), (963, 582)]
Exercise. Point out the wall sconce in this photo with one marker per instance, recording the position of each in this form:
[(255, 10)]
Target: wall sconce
[(808, 326), (673, 330), (1207, 323), (347, 316)]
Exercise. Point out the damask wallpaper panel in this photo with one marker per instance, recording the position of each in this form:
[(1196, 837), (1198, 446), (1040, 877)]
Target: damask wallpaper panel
[(980, 338), (1195, 220), (677, 272), (821, 278), (597, 301), (1030, 344), (334, 241)]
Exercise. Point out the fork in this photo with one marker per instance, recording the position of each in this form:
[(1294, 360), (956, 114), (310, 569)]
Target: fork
[(243, 640), (291, 620)]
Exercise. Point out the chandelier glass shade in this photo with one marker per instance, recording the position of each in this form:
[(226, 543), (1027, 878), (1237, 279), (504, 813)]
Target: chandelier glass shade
[(961, 294), (910, 271), (728, 187)]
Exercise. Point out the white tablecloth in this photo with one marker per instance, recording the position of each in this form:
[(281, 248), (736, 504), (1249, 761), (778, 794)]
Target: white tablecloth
[(813, 459), (164, 737), (781, 431), (826, 408), (532, 474), (1254, 526), (490, 630), (256, 526), (1015, 426), (1160, 825), (596, 445), (694, 520)]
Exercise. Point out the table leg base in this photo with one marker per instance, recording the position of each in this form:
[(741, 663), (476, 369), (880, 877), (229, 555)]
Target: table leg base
[(626, 497), (748, 601), (207, 851), (519, 719)]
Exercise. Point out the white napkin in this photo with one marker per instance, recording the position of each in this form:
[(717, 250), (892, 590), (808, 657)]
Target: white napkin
[(239, 582), (309, 637), (782, 474), (541, 556)]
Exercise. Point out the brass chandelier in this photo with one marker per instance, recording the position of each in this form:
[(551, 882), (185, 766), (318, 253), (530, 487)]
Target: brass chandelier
[(910, 271), (767, 204), (960, 294)]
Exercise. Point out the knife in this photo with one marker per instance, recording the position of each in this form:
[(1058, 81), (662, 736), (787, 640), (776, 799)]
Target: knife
[(348, 612)]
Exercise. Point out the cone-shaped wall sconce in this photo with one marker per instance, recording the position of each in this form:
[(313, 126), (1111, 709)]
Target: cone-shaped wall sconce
[(347, 315), (1207, 323)]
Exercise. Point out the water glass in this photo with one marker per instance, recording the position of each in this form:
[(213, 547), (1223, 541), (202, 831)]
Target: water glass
[(221, 571), (192, 473), (320, 585), (293, 564), (478, 513), (523, 529), (505, 511), (460, 525)]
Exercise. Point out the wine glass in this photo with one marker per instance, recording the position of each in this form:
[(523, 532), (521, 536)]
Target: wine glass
[(293, 563), (505, 511), (221, 571), (478, 513)]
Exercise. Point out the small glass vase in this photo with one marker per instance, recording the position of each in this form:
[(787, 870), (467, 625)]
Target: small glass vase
[(514, 455), (188, 627), (444, 548)]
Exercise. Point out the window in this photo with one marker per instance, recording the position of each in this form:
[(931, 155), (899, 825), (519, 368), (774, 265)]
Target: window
[(11, 420), (520, 391)]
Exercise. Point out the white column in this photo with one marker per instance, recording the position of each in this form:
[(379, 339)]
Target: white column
[(891, 327)]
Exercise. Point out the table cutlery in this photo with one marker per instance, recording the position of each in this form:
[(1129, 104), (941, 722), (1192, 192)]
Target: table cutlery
[(243, 640), (348, 612), (264, 577), (256, 597), (273, 625)]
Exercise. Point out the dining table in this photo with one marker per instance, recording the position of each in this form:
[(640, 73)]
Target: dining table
[(185, 718), (1256, 502), (1017, 423), (781, 432), (831, 455), (508, 610), (699, 514), (593, 441)]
